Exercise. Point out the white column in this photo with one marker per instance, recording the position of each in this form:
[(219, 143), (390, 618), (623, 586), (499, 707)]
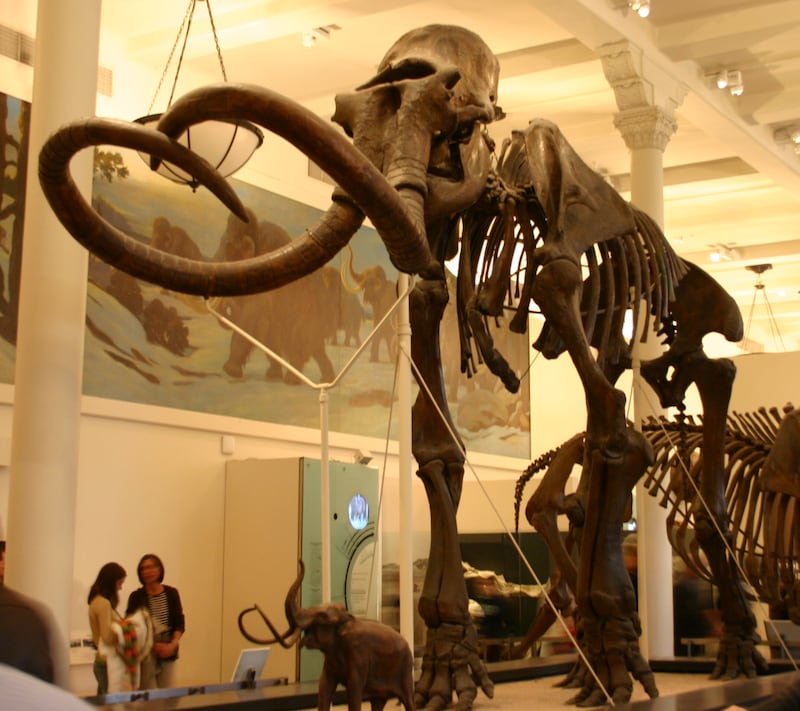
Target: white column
[(647, 100), (646, 132), (49, 361)]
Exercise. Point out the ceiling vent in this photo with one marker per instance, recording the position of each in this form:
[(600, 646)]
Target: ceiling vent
[(314, 171), (16, 46), (20, 47)]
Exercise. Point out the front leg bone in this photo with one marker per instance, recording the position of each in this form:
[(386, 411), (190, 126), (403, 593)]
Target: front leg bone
[(451, 662), (605, 593)]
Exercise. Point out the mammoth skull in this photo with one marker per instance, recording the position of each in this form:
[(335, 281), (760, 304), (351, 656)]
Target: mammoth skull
[(423, 111)]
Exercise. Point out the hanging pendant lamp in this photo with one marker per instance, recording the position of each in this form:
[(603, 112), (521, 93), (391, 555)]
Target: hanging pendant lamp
[(226, 144)]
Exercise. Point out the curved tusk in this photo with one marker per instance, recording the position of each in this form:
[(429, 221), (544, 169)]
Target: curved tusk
[(397, 219), (291, 611), (403, 235), (91, 230), (290, 605), (281, 639), (141, 260), (59, 149)]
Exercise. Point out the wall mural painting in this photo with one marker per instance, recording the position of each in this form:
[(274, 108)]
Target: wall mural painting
[(14, 122), (148, 345)]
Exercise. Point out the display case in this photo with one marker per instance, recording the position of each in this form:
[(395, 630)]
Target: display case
[(503, 610), (272, 519)]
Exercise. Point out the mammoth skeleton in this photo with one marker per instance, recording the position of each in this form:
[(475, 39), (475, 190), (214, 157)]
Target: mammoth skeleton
[(761, 488), (420, 166)]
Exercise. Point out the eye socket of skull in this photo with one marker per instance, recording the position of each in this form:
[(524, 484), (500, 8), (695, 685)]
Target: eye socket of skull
[(410, 68)]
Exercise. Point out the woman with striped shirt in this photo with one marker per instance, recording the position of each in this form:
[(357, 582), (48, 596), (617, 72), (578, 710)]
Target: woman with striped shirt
[(164, 604)]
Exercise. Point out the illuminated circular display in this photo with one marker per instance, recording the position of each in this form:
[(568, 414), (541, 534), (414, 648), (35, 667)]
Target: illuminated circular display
[(358, 512)]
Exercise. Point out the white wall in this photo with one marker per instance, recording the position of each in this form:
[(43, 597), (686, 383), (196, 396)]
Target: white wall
[(766, 380), (152, 480)]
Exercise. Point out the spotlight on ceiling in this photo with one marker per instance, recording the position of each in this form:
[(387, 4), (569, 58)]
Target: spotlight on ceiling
[(730, 79), (723, 253), (735, 83), (789, 135), (640, 7)]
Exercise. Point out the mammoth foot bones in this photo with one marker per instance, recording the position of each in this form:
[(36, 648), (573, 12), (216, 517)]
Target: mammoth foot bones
[(451, 662), (738, 655), (614, 655)]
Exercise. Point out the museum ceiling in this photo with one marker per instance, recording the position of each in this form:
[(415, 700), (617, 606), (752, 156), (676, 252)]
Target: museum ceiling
[(728, 181)]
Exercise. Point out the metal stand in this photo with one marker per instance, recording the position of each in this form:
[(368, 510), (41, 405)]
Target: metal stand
[(323, 389)]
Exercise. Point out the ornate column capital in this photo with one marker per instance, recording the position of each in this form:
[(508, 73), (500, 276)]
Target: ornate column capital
[(646, 96), (646, 127)]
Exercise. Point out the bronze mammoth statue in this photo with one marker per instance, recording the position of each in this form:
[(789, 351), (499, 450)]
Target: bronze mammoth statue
[(370, 659), (294, 322), (420, 166)]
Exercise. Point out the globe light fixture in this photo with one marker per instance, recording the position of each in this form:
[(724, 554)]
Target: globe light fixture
[(226, 144), (640, 7)]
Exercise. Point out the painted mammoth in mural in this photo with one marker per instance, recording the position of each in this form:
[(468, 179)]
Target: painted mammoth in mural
[(245, 239), (293, 322), (350, 312), (369, 658), (420, 167), (170, 238), (379, 294)]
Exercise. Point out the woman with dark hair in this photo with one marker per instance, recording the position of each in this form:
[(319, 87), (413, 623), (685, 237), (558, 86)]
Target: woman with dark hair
[(103, 599), (164, 604)]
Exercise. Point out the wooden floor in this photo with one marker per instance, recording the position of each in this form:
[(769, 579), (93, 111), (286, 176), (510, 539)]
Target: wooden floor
[(684, 685), (678, 692)]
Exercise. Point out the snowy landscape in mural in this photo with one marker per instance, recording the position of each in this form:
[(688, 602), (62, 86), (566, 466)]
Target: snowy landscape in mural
[(147, 345)]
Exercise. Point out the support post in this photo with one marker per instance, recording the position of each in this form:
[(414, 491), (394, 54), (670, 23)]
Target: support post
[(647, 99), (50, 336)]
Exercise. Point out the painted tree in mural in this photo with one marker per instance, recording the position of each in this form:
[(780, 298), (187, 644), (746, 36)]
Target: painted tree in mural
[(420, 166), (110, 165), (13, 174), (14, 141)]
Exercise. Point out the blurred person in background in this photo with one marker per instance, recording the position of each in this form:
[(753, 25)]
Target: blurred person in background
[(103, 599)]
